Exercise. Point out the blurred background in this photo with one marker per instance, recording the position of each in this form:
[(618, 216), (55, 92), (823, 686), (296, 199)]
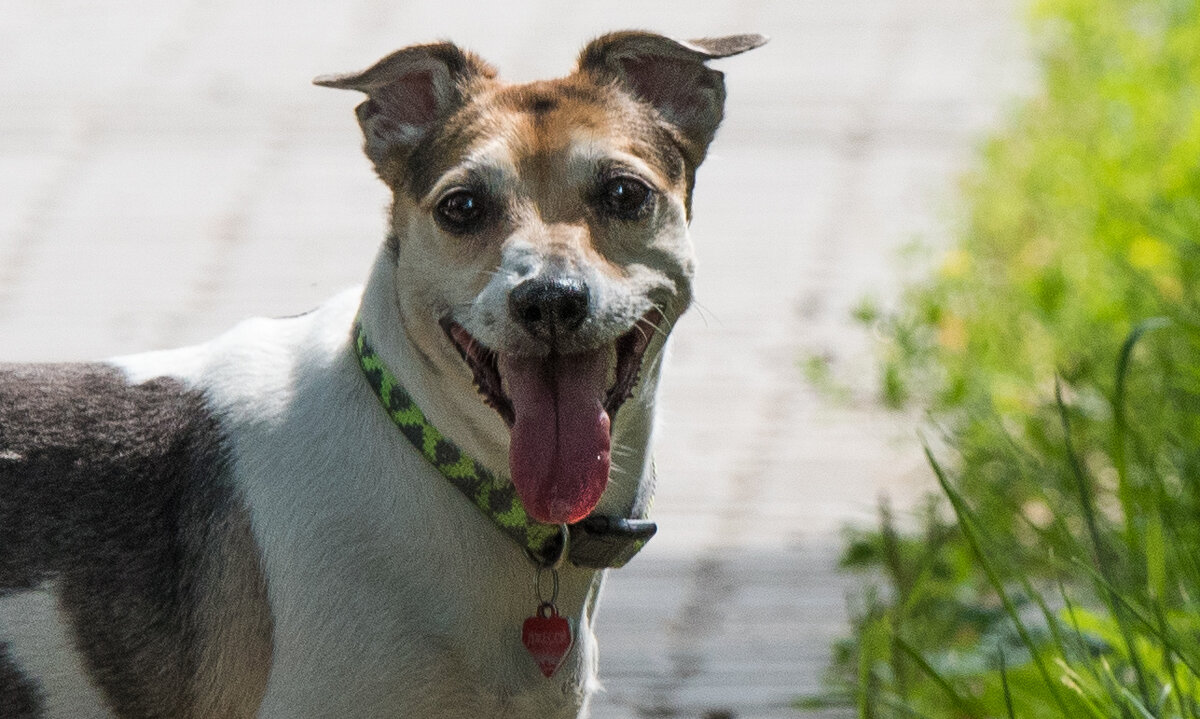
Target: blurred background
[(166, 169)]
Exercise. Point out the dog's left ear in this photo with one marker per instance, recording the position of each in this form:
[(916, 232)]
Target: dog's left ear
[(408, 92), (671, 76)]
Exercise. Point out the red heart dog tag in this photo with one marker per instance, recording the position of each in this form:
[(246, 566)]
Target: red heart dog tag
[(548, 638)]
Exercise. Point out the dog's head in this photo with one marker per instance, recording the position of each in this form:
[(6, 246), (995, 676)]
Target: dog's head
[(539, 231)]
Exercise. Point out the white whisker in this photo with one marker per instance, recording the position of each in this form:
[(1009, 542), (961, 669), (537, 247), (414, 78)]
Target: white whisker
[(704, 312)]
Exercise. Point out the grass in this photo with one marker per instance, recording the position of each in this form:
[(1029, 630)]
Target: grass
[(973, 628), (1057, 348)]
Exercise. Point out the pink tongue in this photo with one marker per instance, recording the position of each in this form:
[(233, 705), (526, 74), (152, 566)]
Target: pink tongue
[(559, 455)]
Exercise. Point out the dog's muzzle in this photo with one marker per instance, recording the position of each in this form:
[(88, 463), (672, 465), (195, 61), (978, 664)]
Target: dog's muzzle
[(559, 407)]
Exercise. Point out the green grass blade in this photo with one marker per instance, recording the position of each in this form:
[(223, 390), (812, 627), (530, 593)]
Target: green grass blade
[(1098, 547), (1127, 493), (965, 520), (1163, 634), (1154, 547), (871, 648), (1008, 702), (966, 706), (1074, 682)]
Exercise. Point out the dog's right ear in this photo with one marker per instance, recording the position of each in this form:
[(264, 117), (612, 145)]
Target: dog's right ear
[(672, 77), (409, 92)]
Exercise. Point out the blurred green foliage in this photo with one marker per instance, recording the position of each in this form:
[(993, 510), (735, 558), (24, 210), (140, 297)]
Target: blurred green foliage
[(1057, 346), (1082, 221)]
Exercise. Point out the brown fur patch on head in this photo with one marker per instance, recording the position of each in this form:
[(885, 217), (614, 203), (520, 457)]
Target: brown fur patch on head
[(539, 120), (577, 102)]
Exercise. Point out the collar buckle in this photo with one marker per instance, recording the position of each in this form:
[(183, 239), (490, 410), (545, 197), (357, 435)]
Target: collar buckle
[(601, 541)]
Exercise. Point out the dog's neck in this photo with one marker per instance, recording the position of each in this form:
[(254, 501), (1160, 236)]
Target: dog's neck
[(428, 367), (431, 371)]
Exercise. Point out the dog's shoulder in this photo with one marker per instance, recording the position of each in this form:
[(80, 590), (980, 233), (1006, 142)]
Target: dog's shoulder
[(120, 501)]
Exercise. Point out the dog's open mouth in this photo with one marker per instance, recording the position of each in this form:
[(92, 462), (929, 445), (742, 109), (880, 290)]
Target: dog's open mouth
[(560, 410)]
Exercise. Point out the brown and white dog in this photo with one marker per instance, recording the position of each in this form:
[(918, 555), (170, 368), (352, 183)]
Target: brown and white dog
[(237, 529)]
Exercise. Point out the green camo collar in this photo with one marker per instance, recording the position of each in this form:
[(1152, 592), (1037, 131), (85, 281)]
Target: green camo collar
[(595, 542)]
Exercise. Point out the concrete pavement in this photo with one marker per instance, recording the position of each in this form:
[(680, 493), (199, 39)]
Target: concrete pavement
[(166, 170)]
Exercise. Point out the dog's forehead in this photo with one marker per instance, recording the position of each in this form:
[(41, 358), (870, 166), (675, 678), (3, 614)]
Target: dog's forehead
[(542, 125)]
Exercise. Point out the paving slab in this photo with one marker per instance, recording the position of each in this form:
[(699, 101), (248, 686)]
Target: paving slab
[(166, 170)]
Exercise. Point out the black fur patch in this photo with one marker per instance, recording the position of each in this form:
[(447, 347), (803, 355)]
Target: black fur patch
[(19, 697), (542, 105), (119, 493)]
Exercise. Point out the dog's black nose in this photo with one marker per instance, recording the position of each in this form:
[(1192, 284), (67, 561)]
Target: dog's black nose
[(549, 306)]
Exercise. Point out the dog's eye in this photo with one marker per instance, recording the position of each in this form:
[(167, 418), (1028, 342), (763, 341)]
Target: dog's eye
[(460, 212), (625, 198)]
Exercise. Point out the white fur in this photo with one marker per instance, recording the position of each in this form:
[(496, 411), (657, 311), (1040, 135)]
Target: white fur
[(41, 641), (391, 594)]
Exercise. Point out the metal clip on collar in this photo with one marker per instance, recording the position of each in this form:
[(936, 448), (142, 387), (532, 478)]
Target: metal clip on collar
[(601, 541)]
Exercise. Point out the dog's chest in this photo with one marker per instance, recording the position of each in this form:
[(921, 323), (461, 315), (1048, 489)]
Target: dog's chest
[(377, 616), (374, 610), (391, 594)]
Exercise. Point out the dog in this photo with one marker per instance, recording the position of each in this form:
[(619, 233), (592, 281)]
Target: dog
[(403, 503)]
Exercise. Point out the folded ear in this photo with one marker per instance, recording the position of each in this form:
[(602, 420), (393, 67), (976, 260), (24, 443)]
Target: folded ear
[(408, 92), (671, 76)]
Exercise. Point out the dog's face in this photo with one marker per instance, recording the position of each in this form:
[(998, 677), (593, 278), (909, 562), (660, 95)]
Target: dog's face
[(540, 232)]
